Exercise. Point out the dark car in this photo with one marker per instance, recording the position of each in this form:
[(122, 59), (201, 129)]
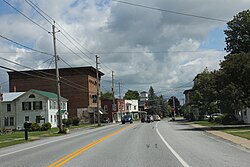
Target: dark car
[(105, 120), (127, 118)]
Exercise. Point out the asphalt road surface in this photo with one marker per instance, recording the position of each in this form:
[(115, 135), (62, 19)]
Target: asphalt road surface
[(157, 144)]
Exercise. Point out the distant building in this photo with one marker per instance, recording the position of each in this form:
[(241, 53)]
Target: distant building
[(132, 108), (31, 106), (143, 102), (78, 85), (114, 111)]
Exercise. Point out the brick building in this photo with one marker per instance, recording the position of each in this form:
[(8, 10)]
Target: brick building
[(78, 85)]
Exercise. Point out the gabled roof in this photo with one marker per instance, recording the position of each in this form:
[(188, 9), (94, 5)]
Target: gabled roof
[(49, 95), (11, 96)]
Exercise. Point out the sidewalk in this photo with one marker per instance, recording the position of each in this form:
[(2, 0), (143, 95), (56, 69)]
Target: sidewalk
[(235, 139)]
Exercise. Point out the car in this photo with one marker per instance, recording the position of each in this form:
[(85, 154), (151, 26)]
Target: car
[(105, 120), (215, 115), (127, 118), (149, 118), (143, 119), (156, 117)]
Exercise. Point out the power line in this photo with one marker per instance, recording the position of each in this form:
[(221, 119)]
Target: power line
[(171, 11), (32, 5), (25, 16), (10, 40)]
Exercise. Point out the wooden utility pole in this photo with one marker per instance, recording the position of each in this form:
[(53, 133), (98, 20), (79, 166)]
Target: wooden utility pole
[(120, 100), (57, 80), (97, 92), (113, 95)]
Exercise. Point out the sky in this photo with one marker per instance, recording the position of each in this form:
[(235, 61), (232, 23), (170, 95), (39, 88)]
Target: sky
[(158, 43)]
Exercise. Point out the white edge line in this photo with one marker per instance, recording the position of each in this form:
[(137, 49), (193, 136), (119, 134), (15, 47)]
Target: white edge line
[(171, 149)]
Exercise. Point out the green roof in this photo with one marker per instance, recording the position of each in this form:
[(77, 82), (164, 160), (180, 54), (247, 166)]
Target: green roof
[(49, 95), (62, 111)]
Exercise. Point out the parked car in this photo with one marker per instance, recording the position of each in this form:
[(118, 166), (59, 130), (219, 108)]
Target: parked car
[(127, 118), (149, 118), (156, 117), (215, 115), (143, 120), (105, 120)]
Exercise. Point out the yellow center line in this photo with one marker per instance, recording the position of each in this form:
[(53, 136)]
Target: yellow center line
[(70, 156)]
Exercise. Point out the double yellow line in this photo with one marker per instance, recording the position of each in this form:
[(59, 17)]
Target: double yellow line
[(72, 155)]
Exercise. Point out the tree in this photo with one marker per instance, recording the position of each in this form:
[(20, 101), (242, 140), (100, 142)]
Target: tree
[(238, 34), (174, 102), (107, 95), (152, 101), (132, 95)]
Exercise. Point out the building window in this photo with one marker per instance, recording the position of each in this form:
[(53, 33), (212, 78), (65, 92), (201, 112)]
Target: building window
[(26, 106), (6, 121), (26, 118), (105, 107), (11, 121), (38, 118), (94, 98), (245, 113), (127, 108), (51, 118), (134, 107), (54, 118), (8, 107), (32, 96), (50, 104), (37, 105)]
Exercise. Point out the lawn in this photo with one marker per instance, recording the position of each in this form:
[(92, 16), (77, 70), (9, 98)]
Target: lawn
[(241, 132), (205, 123), (18, 136)]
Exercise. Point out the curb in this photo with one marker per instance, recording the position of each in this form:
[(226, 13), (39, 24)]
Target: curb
[(232, 138)]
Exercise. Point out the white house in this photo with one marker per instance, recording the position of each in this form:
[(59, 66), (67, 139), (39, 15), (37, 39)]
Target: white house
[(32, 106), (132, 108), (245, 115)]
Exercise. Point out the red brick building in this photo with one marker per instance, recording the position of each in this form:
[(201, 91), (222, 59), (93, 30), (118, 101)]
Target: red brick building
[(114, 113), (78, 85)]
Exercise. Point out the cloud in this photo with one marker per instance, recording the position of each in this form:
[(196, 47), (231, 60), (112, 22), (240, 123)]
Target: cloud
[(143, 47)]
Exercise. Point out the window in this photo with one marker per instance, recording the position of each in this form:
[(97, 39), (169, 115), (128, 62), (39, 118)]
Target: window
[(8, 107), (245, 112), (51, 118), (50, 104), (6, 121), (32, 96), (26, 106), (38, 118), (11, 121), (37, 105), (94, 98), (26, 118), (105, 107), (127, 107), (54, 118), (134, 107)]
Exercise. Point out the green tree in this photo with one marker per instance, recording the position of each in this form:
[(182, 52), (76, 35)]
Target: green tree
[(238, 33), (107, 95), (152, 101), (132, 95)]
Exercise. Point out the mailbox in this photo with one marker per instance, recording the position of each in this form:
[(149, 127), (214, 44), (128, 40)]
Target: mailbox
[(27, 125)]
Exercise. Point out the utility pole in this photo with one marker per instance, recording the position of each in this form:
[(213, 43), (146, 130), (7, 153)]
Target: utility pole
[(1, 111), (174, 106), (57, 80), (120, 100), (97, 91), (113, 95)]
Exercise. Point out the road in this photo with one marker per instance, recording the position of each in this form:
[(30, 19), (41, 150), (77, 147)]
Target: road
[(157, 144)]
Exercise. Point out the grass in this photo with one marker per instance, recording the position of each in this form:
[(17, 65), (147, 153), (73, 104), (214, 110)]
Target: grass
[(18, 136), (241, 134), (205, 123)]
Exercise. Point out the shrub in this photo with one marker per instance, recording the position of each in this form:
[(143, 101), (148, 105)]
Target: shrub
[(46, 126), (229, 119), (75, 121), (67, 122), (35, 127)]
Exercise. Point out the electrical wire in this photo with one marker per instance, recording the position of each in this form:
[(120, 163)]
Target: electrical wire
[(171, 11)]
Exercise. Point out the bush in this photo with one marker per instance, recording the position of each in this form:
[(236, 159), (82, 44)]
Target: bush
[(46, 126), (35, 127), (75, 121), (67, 122), (229, 119)]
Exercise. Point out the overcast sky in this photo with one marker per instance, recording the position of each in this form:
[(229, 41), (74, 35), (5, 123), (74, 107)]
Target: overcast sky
[(144, 46)]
